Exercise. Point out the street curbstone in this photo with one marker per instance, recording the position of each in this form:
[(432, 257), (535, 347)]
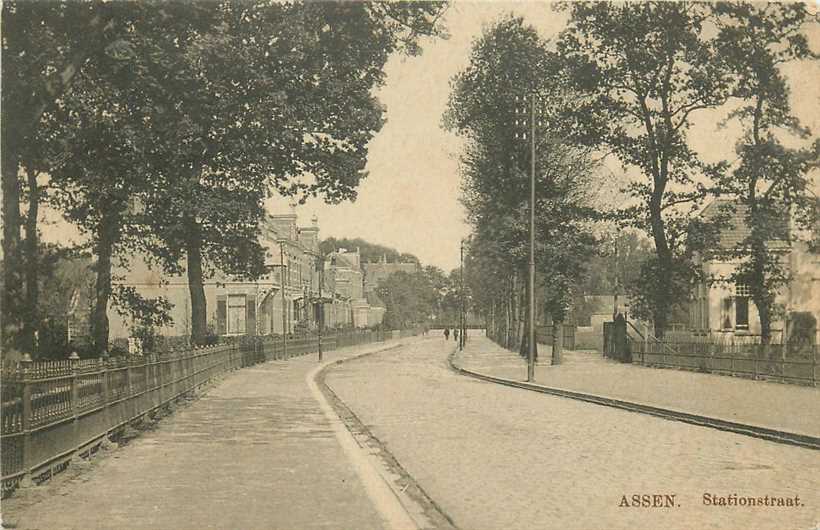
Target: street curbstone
[(756, 431)]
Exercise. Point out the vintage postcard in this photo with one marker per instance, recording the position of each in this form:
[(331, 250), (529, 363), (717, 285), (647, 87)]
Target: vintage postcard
[(410, 265)]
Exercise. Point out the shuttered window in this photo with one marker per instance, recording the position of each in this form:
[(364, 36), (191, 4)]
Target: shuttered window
[(236, 314), (221, 314), (250, 315)]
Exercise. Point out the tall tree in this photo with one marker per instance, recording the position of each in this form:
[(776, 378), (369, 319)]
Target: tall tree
[(287, 113), (771, 185), (227, 102), (508, 60), (645, 69), (409, 299), (45, 46), (100, 170)]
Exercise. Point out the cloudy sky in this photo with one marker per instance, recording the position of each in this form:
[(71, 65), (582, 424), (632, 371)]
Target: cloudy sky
[(410, 199)]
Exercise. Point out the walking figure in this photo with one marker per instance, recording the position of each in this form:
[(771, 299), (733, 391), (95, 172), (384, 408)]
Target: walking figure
[(446, 333), (455, 334)]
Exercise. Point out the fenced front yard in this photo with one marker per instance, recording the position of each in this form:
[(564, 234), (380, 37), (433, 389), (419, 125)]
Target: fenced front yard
[(774, 362), (53, 411)]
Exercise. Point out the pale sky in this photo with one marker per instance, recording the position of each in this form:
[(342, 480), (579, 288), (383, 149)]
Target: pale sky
[(410, 199)]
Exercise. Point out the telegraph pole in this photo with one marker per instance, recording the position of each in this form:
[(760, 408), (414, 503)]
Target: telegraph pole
[(320, 313), (461, 282), (284, 300), (531, 339), (532, 96)]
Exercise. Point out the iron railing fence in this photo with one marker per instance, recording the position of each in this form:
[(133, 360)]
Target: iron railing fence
[(543, 335), (53, 411), (775, 362)]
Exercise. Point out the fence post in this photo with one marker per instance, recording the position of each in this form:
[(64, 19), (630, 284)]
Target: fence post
[(105, 392), (754, 363), (128, 389), (27, 417), (75, 387)]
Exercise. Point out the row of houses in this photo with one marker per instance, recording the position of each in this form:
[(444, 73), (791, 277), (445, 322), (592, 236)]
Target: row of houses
[(299, 282)]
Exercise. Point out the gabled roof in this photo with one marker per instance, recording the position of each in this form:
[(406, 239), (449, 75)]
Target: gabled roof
[(734, 230)]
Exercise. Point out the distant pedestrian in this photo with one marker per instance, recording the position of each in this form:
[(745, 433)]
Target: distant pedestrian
[(446, 333), (455, 334)]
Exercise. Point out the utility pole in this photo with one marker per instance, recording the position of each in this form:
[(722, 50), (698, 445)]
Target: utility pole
[(531, 340), (320, 310), (284, 300), (461, 282), (617, 280), (531, 287)]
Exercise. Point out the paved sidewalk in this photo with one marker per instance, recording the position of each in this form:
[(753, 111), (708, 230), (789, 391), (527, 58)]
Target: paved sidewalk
[(782, 407), (254, 452)]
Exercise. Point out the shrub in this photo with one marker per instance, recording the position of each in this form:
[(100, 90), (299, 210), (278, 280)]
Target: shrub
[(802, 328)]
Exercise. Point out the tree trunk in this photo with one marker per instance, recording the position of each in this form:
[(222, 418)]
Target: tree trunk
[(524, 349), (510, 313), (557, 340), (492, 318), (107, 233), (196, 286), (31, 316), (762, 298), (764, 310), (12, 267), (522, 315), (523, 343), (663, 286)]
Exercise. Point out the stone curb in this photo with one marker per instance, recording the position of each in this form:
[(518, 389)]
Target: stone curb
[(772, 435), (390, 508), (422, 509)]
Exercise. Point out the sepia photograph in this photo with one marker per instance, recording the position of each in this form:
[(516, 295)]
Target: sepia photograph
[(410, 265)]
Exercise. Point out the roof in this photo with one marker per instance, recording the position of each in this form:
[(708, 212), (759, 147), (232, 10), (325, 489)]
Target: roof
[(734, 230), (600, 304), (346, 259)]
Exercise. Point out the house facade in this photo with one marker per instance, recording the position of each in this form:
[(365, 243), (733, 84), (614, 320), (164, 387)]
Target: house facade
[(376, 272), (725, 309), (286, 299), (345, 269)]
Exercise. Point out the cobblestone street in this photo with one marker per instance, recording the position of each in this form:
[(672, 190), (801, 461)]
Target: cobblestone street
[(498, 457)]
